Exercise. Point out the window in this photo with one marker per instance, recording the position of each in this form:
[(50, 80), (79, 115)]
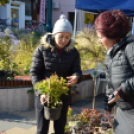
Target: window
[(71, 18), (28, 6)]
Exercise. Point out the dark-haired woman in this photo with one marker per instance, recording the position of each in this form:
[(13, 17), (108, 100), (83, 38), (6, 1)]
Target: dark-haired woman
[(111, 28)]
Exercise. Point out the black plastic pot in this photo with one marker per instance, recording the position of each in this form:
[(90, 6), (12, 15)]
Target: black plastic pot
[(5, 74), (52, 113)]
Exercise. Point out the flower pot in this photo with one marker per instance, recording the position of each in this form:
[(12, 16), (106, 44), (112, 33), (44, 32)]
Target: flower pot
[(5, 74), (52, 113)]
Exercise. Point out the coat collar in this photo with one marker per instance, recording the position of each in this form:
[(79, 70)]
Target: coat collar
[(47, 39), (122, 43)]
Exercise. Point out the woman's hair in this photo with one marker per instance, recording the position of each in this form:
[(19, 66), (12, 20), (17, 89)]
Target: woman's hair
[(112, 24)]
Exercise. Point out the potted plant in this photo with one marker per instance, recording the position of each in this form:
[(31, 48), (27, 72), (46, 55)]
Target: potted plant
[(89, 121), (8, 44), (85, 122), (53, 88)]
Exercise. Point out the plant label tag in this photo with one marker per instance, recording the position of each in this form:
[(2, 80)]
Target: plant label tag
[(72, 123)]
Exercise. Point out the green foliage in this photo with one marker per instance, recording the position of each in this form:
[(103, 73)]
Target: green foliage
[(23, 56), (88, 118), (10, 78), (22, 59), (30, 38), (5, 53), (53, 87), (91, 115), (110, 131), (18, 58), (70, 111), (67, 128), (3, 2), (89, 48)]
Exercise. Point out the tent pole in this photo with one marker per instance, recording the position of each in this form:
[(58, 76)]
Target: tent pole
[(75, 22), (133, 26), (81, 20)]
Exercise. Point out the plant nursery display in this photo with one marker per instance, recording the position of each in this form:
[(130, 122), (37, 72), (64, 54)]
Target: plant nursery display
[(89, 121)]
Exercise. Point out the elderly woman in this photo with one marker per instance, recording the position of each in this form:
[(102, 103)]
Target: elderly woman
[(56, 53), (111, 28)]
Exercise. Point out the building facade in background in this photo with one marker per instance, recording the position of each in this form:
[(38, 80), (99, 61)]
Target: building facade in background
[(21, 12)]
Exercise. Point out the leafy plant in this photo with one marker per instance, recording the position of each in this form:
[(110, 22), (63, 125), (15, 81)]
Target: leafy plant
[(5, 53), (91, 116), (23, 56), (10, 78), (86, 120), (89, 48), (16, 55), (53, 88), (70, 111)]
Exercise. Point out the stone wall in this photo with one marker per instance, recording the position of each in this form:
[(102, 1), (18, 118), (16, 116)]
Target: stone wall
[(16, 99), (86, 90)]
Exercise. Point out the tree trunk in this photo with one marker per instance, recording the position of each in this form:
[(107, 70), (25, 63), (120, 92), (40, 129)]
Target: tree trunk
[(94, 93)]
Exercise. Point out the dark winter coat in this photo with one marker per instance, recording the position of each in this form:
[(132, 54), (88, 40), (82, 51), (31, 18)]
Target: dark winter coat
[(120, 72), (46, 60)]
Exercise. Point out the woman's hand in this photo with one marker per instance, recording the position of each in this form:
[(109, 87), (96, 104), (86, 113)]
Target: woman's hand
[(72, 80), (43, 99), (116, 98)]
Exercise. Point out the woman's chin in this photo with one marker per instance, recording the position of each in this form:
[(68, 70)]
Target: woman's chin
[(61, 46)]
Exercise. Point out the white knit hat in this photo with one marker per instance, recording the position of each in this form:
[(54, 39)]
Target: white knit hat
[(62, 25)]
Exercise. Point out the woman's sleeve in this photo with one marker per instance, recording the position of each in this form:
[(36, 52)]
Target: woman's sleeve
[(37, 65), (128, 85), (76, 67)]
